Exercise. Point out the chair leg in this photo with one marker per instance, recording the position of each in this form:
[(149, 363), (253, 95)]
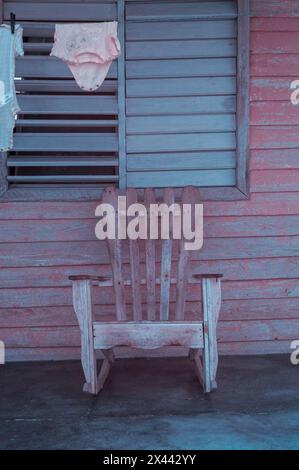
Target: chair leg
[(211, 298), (194, 356), (83, 307), (103, 375), (206, 369), (105, 368), (90, 372)]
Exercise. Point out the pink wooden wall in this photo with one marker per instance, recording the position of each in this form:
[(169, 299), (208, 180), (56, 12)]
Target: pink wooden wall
[(255, 243)]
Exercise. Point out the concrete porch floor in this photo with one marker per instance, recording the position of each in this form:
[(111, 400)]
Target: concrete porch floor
[(151, 404)]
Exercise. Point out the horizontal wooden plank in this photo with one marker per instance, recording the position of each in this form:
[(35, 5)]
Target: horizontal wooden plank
[(49, 67), (276, 8), (61, 123), (51, 104), (253, 348), (181, 161), (84, 253), (281, 159), (40, 316), (258, 278), (37, 47), (206, 178), (41, 337), (262, 330), (260, 309), (146, 335), (62, 178), (274, 180), (232, 290), (181, 49), (272, 113), (164, 30), (66, 142), (266, 203), (199, 86), (55, 11), (181, 68), (214, 227), (259, 204), (251, 226), (182, 10), (277, 24), (181, 178), (64, 315), (275, 137), (60, 86), (28, 255), (38, 29), (53, 161), (274, 42), (258, 296), (271, 89), (272, 65), (181, 142), (180, 105), (45, 276), (59, 192), (258, 330), (178, 124), (40, 297)]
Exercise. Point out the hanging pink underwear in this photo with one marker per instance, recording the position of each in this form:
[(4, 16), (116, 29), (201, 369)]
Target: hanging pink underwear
[(88, 49)]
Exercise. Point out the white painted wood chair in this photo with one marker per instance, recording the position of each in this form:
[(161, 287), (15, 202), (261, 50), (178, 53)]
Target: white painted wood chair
[(131, 329)]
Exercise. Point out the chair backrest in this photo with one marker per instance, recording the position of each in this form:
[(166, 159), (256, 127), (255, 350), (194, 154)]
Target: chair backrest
[(151, 261)]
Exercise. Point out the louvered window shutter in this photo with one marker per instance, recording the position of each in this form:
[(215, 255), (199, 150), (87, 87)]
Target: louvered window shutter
[(63, 135), (181, 93)]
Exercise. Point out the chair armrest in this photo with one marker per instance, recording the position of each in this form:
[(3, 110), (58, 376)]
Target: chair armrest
[(89, 278), (199, 277)]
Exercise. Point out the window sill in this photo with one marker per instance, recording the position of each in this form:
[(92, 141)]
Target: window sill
[(89, 193)]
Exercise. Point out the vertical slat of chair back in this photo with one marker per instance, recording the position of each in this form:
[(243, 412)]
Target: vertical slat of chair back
[(132, 198), (191, 195), (110, 196), (150, 259), (166, 255)]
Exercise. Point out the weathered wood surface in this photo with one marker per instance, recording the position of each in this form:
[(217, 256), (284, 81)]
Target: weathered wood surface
[(148, 335), (228, 332), (115, 257), (259, 204), (91, 253), (184, 258), (71, 230), (211, 302), (132, 198), (243, 309), (253, 242), (235, 269), (82, 301), (150, 258), (238, 293), (166, 260)]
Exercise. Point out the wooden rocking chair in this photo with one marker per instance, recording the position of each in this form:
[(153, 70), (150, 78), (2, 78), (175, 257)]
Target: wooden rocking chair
[(198, 336)]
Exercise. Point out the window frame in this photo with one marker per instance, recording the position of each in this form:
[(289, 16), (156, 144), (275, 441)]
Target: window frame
[(91, 192)]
